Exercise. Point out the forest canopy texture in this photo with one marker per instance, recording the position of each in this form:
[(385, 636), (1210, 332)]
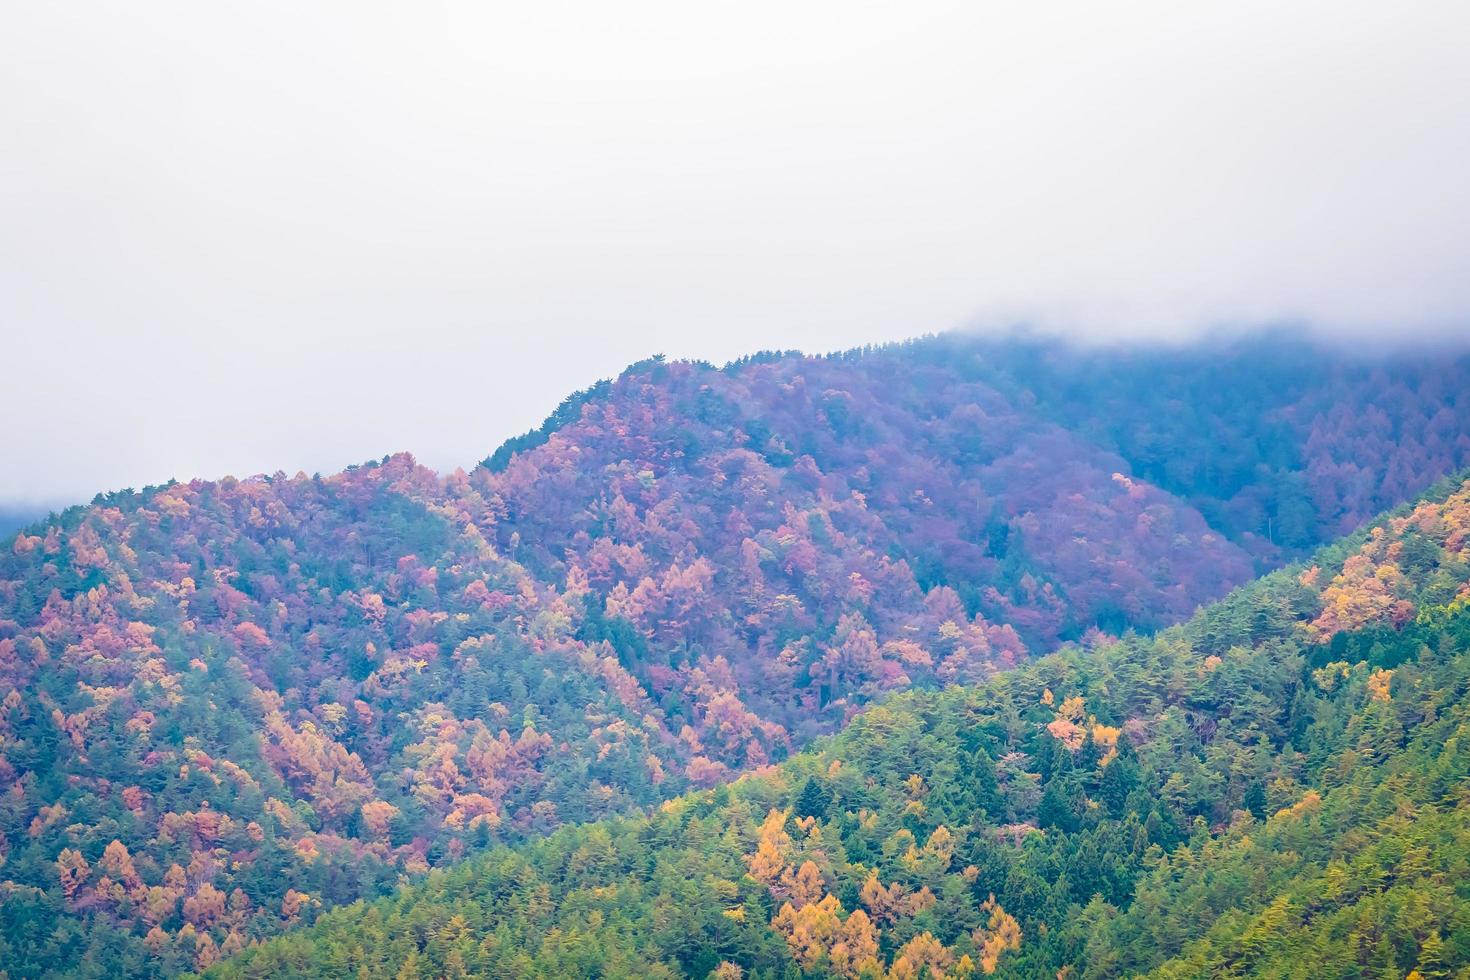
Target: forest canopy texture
[(858, 665), (1277, 787)]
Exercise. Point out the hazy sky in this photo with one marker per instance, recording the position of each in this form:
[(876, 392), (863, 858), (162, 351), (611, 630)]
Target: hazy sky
[(245, 237)]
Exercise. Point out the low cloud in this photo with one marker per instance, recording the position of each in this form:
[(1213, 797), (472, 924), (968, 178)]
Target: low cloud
[(298, 237)]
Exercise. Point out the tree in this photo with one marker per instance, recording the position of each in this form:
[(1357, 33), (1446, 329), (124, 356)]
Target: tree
[(73, 871), (813, 799), (1061, 805), (1119, 777), (920, 954), (1001, 932)]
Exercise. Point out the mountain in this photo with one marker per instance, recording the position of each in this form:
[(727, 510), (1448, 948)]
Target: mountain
[(227, 706), (14, 517), (1275, 788)]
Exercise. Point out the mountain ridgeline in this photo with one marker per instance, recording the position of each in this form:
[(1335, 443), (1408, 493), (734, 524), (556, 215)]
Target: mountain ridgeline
[(1278, 787), (228, 706)]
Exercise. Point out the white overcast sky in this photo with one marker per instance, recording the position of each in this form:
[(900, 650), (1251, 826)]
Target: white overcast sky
[(242, 237)]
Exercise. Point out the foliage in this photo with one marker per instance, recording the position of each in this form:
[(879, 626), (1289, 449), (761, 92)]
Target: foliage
[(1237, 803), (226, 707)]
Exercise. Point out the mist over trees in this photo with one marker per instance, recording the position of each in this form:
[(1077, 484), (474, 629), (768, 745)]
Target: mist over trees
[(227, 707)]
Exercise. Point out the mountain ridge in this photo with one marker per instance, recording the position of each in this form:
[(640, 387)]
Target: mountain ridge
[(279, 694), (1156, 844)]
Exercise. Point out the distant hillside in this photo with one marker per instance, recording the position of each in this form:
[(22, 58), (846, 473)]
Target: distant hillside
[(230, 705), (1276, 788), (13, 517), (1025, 492)]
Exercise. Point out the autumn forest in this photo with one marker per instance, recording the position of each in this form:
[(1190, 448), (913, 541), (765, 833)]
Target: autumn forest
[(962, 656)]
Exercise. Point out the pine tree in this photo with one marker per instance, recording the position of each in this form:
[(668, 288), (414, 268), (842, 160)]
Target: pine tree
[(813, 799)]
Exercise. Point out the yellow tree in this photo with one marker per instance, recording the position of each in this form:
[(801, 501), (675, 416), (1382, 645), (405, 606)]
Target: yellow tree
[(811, 931), (857, 949), (773, 844), (806, 886), (117, 864), (918, 954), (1000, 933)]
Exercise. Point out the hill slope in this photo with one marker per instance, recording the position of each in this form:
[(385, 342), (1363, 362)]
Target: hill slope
[(227, 705), (1277, 787)]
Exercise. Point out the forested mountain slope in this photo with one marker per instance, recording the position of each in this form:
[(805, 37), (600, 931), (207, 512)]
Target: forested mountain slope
[(1026, 492), (226, 706), (13, 517), (1277, 787)]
